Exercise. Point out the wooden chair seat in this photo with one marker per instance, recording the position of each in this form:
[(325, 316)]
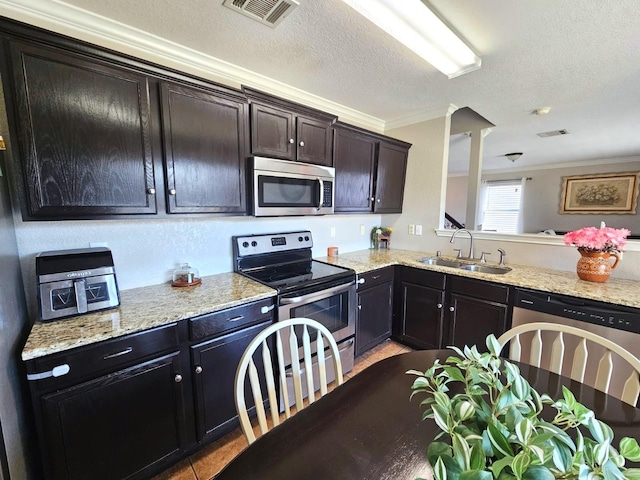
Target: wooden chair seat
[(308, 374), (578, 358)]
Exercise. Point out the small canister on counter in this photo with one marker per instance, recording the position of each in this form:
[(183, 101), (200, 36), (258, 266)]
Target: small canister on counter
[(332, 251)]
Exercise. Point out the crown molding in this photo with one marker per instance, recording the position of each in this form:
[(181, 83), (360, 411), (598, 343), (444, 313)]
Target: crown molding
[(60, 17), (420, 117)]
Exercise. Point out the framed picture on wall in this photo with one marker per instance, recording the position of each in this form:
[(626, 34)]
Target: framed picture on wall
[(604, 193)]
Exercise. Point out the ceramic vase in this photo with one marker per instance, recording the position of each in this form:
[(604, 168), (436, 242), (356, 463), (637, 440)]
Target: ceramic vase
[(596, 266)]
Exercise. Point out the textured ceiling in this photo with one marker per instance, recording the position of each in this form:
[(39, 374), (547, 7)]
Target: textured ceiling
[(582, 59)]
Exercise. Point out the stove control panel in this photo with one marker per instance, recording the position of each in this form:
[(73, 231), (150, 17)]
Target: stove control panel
[(271, 243)]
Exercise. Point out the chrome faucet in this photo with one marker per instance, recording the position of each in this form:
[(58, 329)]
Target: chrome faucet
[(471, 254)]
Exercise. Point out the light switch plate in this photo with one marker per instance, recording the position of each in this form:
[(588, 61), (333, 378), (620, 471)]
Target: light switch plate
[(418, 229)]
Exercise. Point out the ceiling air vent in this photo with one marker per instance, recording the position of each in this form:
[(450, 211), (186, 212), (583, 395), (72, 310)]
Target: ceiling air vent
[(553, 133), (268, 12)]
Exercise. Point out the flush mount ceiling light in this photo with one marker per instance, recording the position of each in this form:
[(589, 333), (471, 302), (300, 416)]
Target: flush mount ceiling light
[(414, 25), (513, 156)]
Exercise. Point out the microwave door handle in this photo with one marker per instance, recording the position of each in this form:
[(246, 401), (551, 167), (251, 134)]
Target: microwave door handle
[(81, 295), (321, 184)]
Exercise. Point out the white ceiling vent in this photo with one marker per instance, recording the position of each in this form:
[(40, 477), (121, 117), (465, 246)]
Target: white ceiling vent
[(269, 12), (553, 133)]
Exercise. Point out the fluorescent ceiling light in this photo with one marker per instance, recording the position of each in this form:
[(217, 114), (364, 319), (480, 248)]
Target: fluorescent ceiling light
[(413, 24)]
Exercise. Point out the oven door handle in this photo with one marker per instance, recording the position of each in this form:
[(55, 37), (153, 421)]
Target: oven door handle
[(318, 295), (321, 202)]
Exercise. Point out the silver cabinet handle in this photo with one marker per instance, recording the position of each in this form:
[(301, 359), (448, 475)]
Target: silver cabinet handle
[(439, 305), (178, 378), (172, 191), (378, 200), (198, 369), (151, 191), (372, 199), (375, 277), (359, 307), (451, 309), (302, 144), (235, 319), (118, 354), (291, 140), (361, 281)]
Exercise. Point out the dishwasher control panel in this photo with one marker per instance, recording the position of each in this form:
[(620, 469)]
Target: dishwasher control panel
[(598, 313)]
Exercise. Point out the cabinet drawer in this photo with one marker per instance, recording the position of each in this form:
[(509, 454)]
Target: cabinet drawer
[(374, 277), (105, 356), (230, 319), (480, 289), (425, 278)]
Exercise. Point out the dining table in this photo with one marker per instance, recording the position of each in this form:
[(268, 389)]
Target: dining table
[(368, 428)]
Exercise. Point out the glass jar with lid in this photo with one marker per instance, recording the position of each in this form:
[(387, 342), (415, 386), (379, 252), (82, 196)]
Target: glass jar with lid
[(185, 276)]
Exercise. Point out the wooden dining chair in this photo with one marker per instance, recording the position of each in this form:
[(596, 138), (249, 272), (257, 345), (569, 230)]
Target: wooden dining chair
[(308, 374), (586, 341)]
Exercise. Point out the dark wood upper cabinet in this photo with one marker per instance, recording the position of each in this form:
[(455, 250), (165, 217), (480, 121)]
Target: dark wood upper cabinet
[(204, 134), (370, 170), (354, 161), (84, 135), (390, 176), (288, 130)]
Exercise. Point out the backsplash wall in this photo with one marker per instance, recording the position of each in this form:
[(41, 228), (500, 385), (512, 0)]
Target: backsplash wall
[(146, 251)]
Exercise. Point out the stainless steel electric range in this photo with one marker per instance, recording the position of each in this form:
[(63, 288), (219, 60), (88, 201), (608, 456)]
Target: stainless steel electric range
[(306, 287)]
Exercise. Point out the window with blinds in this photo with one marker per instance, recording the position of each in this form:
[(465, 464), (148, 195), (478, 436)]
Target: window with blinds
[(501, 208)]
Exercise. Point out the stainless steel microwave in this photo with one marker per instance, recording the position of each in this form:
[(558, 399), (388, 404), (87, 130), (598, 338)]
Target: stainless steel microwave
[(281, 187)]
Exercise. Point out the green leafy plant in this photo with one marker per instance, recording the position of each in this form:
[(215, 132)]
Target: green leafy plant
[(495, 429)]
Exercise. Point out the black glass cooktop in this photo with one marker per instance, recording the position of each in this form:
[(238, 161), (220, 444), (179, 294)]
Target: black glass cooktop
[(298, 275)]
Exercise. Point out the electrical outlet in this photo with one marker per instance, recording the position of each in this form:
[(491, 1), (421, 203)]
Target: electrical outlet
[(418, 229), (332, 231), (362, 230), (412, 229)]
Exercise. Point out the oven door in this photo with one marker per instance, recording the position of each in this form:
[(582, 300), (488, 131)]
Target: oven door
[(333, 307)]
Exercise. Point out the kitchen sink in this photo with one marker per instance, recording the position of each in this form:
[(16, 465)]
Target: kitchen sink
[(441, 262), (470, 267), (486, 269)]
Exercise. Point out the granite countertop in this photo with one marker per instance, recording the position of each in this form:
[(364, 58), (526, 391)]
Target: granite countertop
[(144, 308), (616, 290)]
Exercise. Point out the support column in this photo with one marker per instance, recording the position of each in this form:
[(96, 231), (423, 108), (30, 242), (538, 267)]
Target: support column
[(475, 177)]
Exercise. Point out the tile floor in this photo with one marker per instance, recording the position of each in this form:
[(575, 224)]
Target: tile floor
[(206, 463)]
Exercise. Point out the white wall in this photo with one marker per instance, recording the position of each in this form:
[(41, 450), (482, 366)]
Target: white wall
[(456, 202), (146, 251)]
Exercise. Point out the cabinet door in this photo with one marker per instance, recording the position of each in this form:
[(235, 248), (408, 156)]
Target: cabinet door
[(117, 425), (422, 315), (375, 306), (473, 319), (215, 364), (314, 141), (84, 133), (204, 141), (390, 176), (353, 159), (272, 132)]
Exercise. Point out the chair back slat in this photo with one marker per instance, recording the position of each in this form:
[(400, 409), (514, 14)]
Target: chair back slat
[(580, 357), (605, 370), (308, 370), (557, 354), (284, 388), (269, 378), (631, 390), (302, 364), (322, 371), (536, 349), (295, 369)]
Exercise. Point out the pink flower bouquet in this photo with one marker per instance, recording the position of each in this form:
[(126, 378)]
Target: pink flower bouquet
[(592, 239)]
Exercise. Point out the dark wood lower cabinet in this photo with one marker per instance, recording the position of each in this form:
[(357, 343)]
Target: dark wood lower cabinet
[(116, 426), (375, 308), (215, 365), (472, 320)]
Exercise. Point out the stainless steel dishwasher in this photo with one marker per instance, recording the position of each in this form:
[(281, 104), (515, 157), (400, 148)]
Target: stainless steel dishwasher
[(617, 323)]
